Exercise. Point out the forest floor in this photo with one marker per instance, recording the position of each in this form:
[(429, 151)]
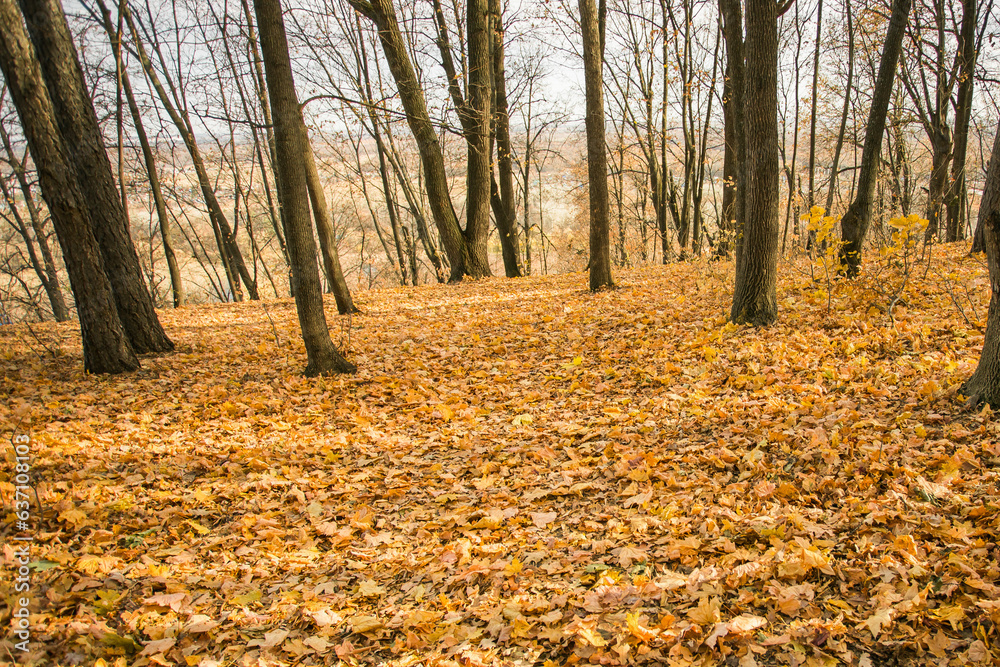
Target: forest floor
[(522, 472)]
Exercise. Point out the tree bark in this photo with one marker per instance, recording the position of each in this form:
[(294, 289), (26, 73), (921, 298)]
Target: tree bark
[(502, 197), (260, 88), (984, 385), (106, 346), (77, 122), (755, 295), (855, 223), (812, 107), (831, 188), (324, 229), (290, 137), (478, 171), (591, 23)]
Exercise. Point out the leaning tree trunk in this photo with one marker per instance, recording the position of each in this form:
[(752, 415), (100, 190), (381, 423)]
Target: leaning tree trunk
[(327, 237), (229, 249), (502, 197), (290, 137), (176, 282), (755, 295), (77, 122), (597, 159), (831, 188), (984, 385), (967, 55), (735, 127), (106, 347), (382, 14), (857, 219)]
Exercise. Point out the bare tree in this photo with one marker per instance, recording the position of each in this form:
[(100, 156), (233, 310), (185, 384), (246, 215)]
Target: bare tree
[(106, 346), (232, 256), (984, 385), (592, 24), (42, 260), (176, 282), (855, 223), (292, 153), (466, 249), (77, 122)]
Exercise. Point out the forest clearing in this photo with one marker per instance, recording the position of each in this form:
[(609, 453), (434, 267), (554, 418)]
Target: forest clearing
[(525, 472)]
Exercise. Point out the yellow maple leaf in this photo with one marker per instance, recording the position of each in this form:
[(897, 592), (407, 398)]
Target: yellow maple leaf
[(877, 621), (707, 612)]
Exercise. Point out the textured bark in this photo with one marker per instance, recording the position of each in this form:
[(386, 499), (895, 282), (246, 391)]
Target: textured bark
[(324, 229), (855, 223), (502, 197), (755, 293), (260, 87), (77, 122), (46, 268), (597, 159), (984, 385), (382, 14), (932, 107), (478, 170), (106, 347), (733, 117), (290, 137), (229, 250), (940, 141)]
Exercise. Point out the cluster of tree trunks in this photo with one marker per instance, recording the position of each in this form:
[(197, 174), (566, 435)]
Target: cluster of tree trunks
[(479, 95), (117, 318)]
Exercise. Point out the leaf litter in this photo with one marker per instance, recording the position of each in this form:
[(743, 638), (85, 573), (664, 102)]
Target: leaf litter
[(523, 473)]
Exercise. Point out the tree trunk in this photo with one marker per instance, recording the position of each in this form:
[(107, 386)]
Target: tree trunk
[(812, 107), (734, 188), (77, 122), (478, 170), (176, 283), (831, 188), (106, 346), (503, 204), (290, 138), (591, 22), (260, 87), (940, 158), (383, 15), (854, 224), (967, 55), (324, 229), (984, 385), (755, 295)]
